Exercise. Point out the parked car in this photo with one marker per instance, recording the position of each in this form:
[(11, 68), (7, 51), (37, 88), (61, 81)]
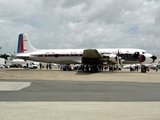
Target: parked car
[(30, 66), (66, 67), (2, 66)]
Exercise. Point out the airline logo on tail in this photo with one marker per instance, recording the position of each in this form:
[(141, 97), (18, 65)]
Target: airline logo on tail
[(20, 48)]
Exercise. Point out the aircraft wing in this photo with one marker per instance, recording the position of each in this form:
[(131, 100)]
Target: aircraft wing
[(91, 56), (91, 53)]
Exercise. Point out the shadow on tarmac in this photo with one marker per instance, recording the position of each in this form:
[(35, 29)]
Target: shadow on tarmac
[(106, 72)]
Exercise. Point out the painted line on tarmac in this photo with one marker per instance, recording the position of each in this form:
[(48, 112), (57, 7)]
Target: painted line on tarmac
[(13, 86)]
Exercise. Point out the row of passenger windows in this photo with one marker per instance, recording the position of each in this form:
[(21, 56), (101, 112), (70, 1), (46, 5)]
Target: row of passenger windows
[(57, 55), (63, 55)]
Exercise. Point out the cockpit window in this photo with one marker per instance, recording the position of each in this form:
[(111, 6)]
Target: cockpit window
[(144, 52)]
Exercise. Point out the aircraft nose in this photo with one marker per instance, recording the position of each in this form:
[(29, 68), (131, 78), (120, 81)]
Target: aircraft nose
[(154, 57)]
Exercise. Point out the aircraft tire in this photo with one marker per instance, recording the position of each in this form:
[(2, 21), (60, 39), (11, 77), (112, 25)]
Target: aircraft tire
[(64, 69), (143, 70), (94, 69)]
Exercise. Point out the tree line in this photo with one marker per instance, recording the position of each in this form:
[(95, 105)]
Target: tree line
[(4, 56)]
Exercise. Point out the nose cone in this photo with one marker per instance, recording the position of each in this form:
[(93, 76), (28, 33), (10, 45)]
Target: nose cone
[(154, 57), (142, 58)]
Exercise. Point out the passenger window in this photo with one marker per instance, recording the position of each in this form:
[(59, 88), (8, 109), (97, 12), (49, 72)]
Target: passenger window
[(56, 55)]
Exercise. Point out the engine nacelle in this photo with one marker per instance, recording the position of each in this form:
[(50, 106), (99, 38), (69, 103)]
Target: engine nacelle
[(110, 57)]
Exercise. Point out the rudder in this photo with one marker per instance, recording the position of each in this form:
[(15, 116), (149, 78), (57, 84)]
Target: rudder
[(24, 45)]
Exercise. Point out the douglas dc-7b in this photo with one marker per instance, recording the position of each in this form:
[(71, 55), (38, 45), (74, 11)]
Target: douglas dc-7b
[(90, 59)]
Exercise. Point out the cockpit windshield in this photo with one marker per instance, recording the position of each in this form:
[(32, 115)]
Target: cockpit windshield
[(143, 52)]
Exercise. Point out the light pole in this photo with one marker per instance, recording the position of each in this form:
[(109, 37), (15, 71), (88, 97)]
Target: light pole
[(0, 51)]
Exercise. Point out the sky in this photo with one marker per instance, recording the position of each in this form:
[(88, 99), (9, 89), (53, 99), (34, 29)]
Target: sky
[(75, 24)]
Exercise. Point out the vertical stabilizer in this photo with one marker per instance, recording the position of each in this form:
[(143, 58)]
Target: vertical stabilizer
[(24, 46)]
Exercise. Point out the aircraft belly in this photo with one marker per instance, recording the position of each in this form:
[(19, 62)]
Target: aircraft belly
[(59, 60), (130, 62)]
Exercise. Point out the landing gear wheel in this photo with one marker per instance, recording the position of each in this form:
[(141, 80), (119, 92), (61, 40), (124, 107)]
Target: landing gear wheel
[(94, 69), (143, 69)]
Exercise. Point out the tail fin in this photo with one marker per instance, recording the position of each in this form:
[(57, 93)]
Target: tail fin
[(24, 46)]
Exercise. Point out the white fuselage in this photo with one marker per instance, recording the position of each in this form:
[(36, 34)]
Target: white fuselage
[(74, 56)]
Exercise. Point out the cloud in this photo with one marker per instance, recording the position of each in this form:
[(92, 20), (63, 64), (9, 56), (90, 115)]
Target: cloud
[(81, 24)]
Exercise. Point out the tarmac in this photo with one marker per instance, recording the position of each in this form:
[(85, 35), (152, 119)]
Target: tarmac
[(60, 95)]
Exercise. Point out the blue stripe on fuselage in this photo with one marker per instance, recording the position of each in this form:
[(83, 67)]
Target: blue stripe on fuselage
[(19, 40)]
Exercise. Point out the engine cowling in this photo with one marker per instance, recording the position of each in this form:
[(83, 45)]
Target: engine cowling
[(110, 57)]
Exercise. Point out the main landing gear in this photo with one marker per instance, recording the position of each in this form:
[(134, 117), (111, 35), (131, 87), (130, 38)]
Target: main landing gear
[(90, 68), (144, 69)]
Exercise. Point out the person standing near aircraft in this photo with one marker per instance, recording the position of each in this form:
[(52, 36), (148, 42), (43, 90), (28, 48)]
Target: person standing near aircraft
[(137, 67), (50, 66), (40, 66), (27, 66), (156, 68), (47, 66)]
